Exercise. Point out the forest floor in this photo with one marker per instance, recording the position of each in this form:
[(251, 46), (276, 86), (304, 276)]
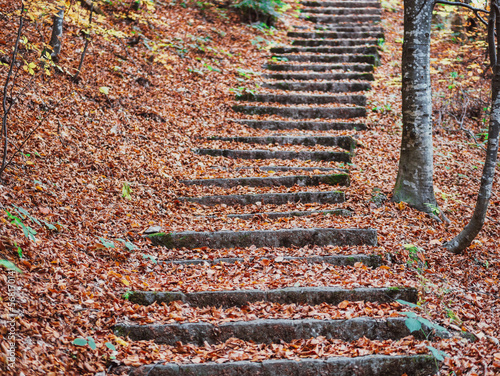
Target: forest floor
[(106, 161)]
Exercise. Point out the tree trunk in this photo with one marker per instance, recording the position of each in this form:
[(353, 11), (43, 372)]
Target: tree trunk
[(57, 31), (414, 184), (459, 243)]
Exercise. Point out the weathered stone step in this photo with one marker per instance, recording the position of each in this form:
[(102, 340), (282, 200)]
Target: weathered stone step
[(326, 58), (304, 112), (371, 261), (289, 214), (331, 156), (301, 125), (287, 295), (364, 50), (344, 142), (273, 181), (321, 76), (342, 4), (329, 86), (342, 10), (329, 197), (298, 237), (348, 18), (281, 168), (336, 34), (270, 330), (319, 67), (372, 365), (334, 42), (349, 27), (359, 100)]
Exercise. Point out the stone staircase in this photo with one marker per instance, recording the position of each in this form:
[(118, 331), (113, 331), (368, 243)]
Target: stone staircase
[(324, 72)]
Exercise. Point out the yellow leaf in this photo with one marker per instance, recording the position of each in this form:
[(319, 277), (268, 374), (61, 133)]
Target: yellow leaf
[(121, 342), (385, 267), (125, 282), (30, 163)]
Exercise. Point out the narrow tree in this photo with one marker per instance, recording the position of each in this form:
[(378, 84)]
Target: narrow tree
[(414, 184), (57, 31), (459, 243)]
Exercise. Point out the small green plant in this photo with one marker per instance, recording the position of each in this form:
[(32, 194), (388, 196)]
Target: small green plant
[(433, 208), (150, 258), (241, 91), (10, 266), (126, 191), (127, 294), (267, 11), (414, 260), (84, 342)]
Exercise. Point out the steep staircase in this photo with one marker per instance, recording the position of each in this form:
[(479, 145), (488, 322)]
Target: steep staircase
[(313, 86)]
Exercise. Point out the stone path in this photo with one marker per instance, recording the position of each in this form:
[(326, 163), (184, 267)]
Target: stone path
[(334, 59)]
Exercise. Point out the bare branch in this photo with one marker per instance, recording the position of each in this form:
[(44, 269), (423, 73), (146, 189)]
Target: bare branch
[(458, 3), (87, 40), (6, 109)]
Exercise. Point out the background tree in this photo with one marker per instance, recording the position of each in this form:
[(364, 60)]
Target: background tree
[(464, 239)]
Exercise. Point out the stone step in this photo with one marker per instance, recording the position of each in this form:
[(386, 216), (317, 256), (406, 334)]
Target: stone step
[(359, 100), (300, 125), (339, 20), (331, 156), (296, 237), (344, 142), (350, 27), (304, 112), (334, 42), (329, 86), (329, 197), (268, 331), (364, 50), (273, 181), (320, 76), (326, 58), (342, 10), (280, 168), (372, 261), (371, 365), (289, 214), (336, 34), (287, 295), (342, 4), (303, 68)]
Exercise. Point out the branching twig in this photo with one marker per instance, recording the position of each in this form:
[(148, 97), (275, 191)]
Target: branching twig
[(468, 6)]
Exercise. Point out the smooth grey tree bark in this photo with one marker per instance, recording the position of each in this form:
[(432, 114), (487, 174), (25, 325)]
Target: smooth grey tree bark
[(414, 184), (57, 32), (464, 239)]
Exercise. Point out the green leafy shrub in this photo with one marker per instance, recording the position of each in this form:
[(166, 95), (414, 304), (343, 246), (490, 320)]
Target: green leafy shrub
[(267, 11)]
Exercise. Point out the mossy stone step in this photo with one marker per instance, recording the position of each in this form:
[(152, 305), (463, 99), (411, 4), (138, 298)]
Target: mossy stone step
[(295, 237), (303, 112), (300, 125), (348, 18), (288, 214), (342, 4), (344, 142), (342, 10), (331, 156), (303, 68), (271, 330), (364, 50), (372, 365), (334, 42), (287, 295), (336, 34), (359, 100), (329, 86), (330, 58), (273, 181)]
